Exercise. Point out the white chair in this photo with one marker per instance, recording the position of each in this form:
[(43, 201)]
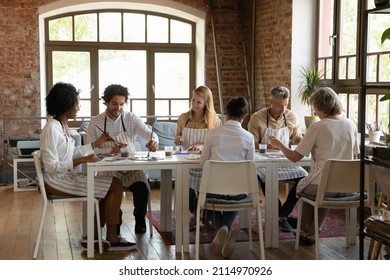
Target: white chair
[(46, 198), (230, 178), (338, 176)]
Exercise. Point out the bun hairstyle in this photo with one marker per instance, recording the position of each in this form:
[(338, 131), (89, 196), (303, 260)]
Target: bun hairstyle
[(237, 107)]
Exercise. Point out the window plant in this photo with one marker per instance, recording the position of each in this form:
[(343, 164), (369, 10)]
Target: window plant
[(310, 81)]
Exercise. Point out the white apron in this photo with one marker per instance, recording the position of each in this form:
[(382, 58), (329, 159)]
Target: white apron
[(284, 173), (131, 176), (73, 182), (192, 136)]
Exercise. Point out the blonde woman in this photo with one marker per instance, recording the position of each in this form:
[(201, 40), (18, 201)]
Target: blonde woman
[(192, 127)]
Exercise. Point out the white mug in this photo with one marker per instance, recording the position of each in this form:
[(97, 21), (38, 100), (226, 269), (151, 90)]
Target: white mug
[(385, 213)]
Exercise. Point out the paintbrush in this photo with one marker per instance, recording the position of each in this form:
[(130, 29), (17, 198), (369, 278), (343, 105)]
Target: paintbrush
[(151, 137), (104, 132)]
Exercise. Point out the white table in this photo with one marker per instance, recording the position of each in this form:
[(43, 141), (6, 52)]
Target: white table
[(271, 165), (182, 166), (166, 166)]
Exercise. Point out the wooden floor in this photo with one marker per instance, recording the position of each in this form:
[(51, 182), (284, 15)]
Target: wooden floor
[(20, 214)]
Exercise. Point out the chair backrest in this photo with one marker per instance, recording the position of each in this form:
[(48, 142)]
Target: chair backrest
[(166, 132), (339, 176), (229, 178), (38, 169)]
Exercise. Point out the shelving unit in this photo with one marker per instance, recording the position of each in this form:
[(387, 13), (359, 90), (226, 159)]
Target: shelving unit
[(362, 101)]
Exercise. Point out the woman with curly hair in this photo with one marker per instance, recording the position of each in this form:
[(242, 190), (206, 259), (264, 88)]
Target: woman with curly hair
[(60, 157)]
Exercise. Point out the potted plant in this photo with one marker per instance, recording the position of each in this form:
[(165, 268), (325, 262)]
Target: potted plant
[(310, 81)]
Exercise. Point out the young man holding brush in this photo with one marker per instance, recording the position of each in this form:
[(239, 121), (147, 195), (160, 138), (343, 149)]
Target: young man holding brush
[(123, 127)]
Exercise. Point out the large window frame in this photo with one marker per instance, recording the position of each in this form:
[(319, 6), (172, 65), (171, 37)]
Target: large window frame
[(349, 89), (151, 48)]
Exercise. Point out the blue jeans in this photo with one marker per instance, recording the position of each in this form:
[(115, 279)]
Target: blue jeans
[(226, 218)]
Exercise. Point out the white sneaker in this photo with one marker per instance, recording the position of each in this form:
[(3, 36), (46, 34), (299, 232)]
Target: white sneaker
[(228, 247), (219, 239)]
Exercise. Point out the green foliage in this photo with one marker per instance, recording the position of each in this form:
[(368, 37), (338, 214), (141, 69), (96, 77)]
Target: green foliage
[(385, 35), (311, 80)]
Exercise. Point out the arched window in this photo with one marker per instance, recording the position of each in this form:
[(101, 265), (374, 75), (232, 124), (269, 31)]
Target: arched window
[(152, 54)]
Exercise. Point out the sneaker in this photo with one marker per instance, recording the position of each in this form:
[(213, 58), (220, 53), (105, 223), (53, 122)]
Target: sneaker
[(105, 244), (285, 226), (122, 245), (140, 226), (228, 247), (219, 239)]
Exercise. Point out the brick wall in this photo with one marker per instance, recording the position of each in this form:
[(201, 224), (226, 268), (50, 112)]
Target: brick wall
[(273, 47), (19, 55)]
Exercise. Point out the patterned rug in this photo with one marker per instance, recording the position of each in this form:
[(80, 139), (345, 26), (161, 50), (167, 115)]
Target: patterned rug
[(333, 226)]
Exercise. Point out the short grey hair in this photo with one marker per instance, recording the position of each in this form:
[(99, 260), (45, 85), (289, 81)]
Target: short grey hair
[(327, 101), (280, 92)]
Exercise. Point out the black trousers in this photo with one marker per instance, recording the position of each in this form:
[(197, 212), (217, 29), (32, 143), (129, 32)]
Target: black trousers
[(286, 208), (140, 200)]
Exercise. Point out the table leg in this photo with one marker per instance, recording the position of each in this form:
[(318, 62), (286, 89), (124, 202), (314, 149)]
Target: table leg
[(90, 213), (166, 200), (185, 211), (179, 207), (268, 206), (275, 206)]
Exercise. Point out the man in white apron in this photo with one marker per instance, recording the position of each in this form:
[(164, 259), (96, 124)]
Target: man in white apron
[(123, 127), (278, 121)]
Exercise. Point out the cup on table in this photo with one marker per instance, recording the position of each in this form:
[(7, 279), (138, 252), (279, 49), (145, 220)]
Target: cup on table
[(263, 148), (385, 213), (168, 151), (125, 152)]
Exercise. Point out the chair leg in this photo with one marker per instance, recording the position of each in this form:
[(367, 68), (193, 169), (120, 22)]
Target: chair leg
[(39, 237), (197, 232), (260, 229), (347, 228), (316, 233), (299, 222), (99, 232), (250, 229)]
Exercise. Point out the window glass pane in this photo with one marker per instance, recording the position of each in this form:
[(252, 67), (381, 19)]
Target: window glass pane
[(73, 67), (371, 68), (384, 107), (329, 69), (85, 108), (344, 101), (348, 29), (384, 72), (352, 68), (377, 23), (179, 106), (139, 107), (133, 27), (325, 28), (172, 81), (162, 108), (110, 27), (353, 107), (181, 32), (60, 29), (371, 109), (157, 29), (342, 68), (127, 68), (85, 27)]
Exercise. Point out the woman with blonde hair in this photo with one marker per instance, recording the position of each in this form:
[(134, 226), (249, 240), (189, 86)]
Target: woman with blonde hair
[(192, 127)]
